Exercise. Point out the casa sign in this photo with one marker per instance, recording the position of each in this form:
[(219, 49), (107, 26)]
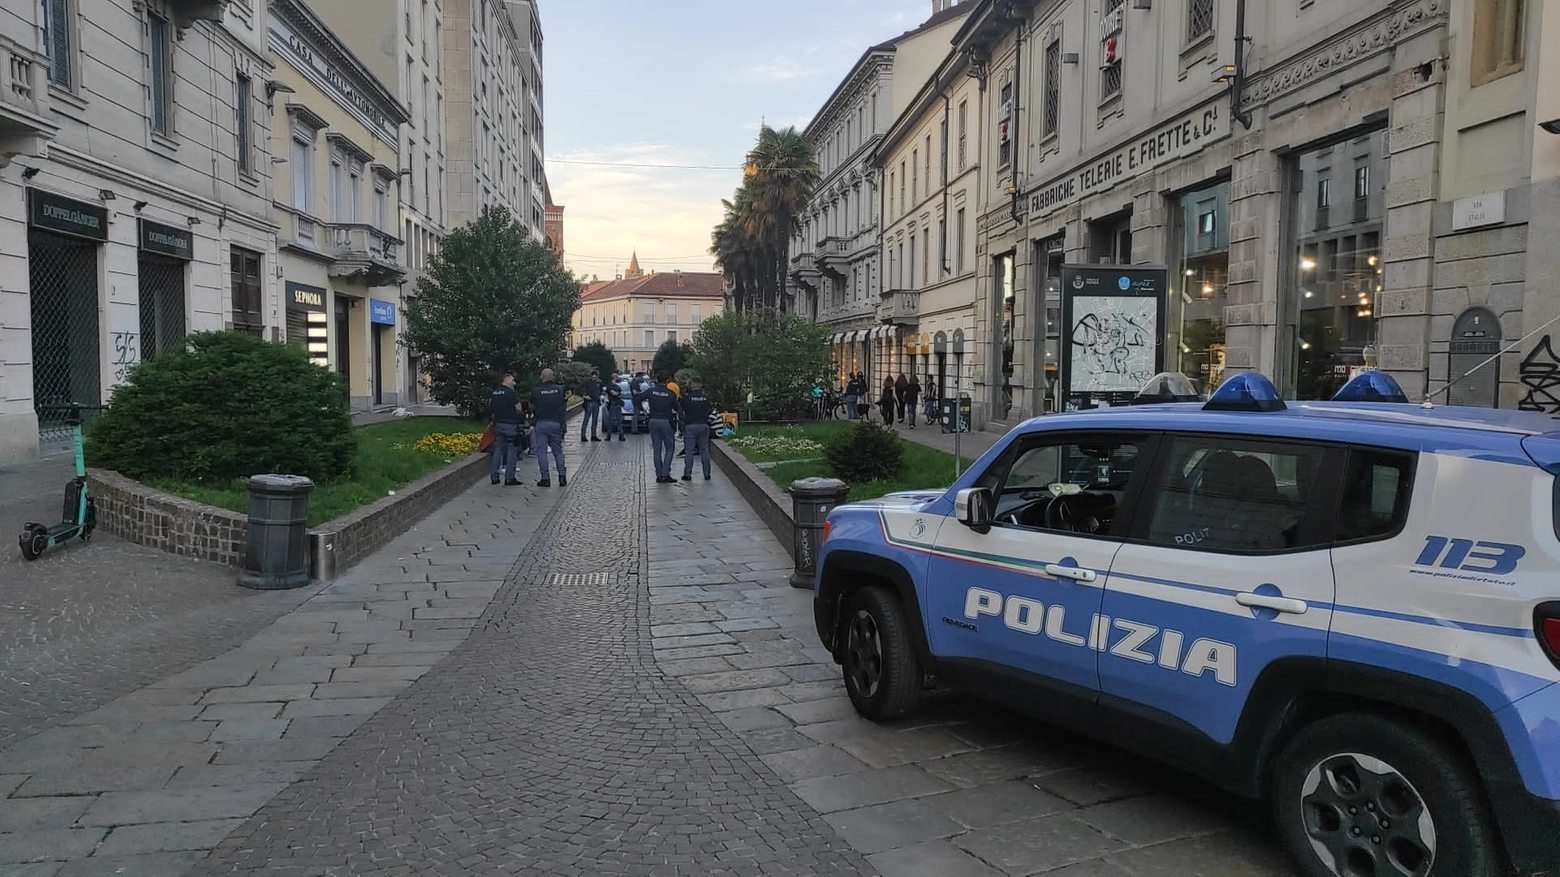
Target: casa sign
[(1179, 138)]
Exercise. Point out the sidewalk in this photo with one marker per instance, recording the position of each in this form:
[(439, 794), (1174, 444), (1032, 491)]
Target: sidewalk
[(971, 444)]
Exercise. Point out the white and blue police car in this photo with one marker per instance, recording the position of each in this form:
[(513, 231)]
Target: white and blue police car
[(1350, 609)]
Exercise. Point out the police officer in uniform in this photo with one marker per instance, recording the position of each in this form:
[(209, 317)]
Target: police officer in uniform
[(661, 404), (696, 428), (592, 406), (612, 414), (550, 406), (507, 423)]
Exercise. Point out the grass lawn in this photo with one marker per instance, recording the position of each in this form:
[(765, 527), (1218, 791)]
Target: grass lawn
[(785, 445), (385, 462)]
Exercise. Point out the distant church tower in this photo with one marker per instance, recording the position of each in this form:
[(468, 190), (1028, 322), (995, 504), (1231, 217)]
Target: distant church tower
[(633, 272)]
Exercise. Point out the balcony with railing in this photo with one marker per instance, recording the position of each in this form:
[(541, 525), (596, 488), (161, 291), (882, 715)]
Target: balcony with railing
[(298, 231), (848, 311), (831, 255), (900, 307), (359, 250), (24, 102)]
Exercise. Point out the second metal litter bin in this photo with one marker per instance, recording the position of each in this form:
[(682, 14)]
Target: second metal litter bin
[(277, 556), (811, 501)]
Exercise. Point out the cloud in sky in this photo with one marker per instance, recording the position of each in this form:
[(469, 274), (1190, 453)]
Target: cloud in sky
[(682, 83), (664, 214)]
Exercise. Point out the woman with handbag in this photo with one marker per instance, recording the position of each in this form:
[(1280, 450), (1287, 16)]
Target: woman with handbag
[(887, 401)]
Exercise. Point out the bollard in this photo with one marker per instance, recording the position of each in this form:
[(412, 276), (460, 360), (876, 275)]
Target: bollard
[(811, 501), (322, 546), (278, 550)]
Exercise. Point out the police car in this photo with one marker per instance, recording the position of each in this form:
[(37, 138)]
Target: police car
[(1348, 608)]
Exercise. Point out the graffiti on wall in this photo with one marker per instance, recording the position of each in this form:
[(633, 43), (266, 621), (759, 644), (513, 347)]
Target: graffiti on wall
[(1540, 374), (126, 354)]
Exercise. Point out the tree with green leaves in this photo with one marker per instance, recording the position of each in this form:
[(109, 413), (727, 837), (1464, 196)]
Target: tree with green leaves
[(492, 300), (774, 356), (599, 356), (752, 242), (671, 357)]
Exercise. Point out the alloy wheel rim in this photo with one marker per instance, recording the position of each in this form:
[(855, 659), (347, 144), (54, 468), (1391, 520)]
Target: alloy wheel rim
[(1365, 819), (864, 648)]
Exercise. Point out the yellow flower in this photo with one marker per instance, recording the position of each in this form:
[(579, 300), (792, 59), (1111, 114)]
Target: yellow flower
[(448, 445)]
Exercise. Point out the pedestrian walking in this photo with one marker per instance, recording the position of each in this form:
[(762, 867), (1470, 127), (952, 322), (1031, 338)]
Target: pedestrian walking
[(852, 395), (551, 404), (901, 387), (696, 412), (660, 404), (592, 406), (886, 401), (612, 414), (507, 423), (912, 396)]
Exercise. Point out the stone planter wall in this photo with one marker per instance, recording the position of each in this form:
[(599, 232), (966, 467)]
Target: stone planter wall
[(772, 504), (137, 513)]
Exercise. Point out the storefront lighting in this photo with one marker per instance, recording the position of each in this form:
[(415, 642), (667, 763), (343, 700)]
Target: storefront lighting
[(1378, 287), (1305, 345), (1207, 289), (1307, 265), (1309, 293), (1372, 260), (1190, 272)]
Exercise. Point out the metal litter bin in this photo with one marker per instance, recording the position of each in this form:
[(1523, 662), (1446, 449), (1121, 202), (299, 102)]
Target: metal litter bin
[(811, 501), (278, 551)]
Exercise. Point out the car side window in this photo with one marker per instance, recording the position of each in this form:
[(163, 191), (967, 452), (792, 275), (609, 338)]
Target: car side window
[(1234, 495), (1071, 486), (1377, 486)]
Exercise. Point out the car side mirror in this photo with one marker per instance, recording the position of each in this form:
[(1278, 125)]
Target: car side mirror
[(975, 508)]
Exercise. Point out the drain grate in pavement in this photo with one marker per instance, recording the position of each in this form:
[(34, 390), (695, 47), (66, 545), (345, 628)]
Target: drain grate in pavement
[(578, 579)]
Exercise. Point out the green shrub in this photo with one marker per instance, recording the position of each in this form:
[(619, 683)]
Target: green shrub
[(868, 452), (226, 406)]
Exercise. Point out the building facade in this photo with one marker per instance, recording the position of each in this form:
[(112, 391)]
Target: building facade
[(1280, 228), (492, 85), (337, 135), (836, 257), (933, 154), (135, 190), (637, 313), (1493, 314)]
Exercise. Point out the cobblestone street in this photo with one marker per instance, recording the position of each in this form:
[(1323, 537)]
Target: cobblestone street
[(610, 679)]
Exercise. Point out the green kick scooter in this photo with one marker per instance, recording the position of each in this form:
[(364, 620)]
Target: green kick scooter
[(80, 512)]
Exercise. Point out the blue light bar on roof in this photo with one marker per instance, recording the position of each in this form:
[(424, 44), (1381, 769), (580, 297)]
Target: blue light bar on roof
[(1371, 386), (1246, 392)]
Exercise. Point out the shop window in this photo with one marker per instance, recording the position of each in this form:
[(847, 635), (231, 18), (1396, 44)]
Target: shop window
[(1499, 38), (1329, 301), (1200, 286), (248, 298), (1004, 278)]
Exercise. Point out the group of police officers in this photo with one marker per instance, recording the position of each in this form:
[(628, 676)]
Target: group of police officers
[(666, 408)]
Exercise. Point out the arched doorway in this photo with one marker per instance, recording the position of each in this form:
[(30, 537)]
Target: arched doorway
[(1475, 338)]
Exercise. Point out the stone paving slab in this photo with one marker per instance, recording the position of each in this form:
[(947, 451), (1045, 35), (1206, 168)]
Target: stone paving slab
[(149, 781), (961, 790)]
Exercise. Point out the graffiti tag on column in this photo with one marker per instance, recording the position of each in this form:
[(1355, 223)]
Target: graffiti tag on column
[(1540, 373), (126, 354)]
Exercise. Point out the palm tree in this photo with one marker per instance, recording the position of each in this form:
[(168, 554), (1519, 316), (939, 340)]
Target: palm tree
[(752, 242)]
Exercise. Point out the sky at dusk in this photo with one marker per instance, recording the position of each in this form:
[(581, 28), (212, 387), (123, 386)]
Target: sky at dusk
[(682, 82)]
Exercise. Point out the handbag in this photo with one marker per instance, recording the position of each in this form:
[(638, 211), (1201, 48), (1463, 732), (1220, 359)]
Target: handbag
[(489, 436)]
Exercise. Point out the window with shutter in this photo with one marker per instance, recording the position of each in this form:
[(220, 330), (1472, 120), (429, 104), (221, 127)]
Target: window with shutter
[(159, 78), (242, 97), (57, 42)]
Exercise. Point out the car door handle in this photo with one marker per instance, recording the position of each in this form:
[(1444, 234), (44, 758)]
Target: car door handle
[(1056, 570), (1264, 601)]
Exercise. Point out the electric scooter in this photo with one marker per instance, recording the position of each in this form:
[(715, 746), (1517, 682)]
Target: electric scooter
[(80, 517)]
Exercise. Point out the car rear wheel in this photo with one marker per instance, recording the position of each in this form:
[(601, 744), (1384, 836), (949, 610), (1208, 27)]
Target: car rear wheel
[(1361, 794), (879, 661)]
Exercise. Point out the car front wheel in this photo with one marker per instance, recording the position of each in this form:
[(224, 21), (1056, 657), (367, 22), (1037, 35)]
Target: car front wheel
[(879, 661), (1362, 794)]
